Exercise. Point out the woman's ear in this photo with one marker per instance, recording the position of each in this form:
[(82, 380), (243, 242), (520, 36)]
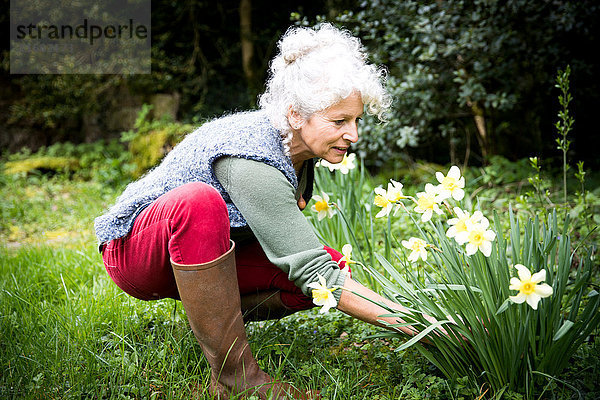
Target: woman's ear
[(295, 119)]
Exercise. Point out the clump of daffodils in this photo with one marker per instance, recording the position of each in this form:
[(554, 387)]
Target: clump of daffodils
[(454, 282), (466, 229)]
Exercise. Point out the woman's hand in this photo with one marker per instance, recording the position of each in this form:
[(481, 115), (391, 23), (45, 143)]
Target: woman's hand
[(352, 303)]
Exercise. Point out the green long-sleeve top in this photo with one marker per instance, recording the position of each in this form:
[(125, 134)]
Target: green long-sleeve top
[(268, 202)]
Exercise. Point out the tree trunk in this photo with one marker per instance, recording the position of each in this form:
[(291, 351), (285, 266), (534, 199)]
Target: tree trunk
[(247, 43), (482, 135)]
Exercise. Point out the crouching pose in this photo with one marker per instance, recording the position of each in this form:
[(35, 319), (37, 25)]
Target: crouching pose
[(218, 224)]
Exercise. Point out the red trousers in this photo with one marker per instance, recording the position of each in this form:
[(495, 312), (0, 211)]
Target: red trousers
[(190, 225)]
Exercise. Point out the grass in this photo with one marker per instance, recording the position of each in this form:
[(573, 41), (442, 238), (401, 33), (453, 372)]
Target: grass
[(68, 332)]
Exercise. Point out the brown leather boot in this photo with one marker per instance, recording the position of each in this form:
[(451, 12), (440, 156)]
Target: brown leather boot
[(265, 305), (210, 296)]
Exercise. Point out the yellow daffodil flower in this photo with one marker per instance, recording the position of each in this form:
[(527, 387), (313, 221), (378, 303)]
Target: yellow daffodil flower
[(529, 286), (458, 229), (322, 206), (479, 237), (347, 163), (386, 199), (322, 295), (418, 248), (427, 202), (451, 185)]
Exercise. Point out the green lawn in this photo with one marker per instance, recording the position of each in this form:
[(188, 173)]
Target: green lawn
[(66, 331)]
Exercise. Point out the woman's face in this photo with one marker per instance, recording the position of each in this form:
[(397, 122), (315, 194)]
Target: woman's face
[(329, 133)]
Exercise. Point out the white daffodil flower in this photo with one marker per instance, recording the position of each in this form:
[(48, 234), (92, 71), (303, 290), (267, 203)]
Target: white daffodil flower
[(479, 238), (347, 252), (322, 207), (418, 249), (325, 163), (427, 202), (386, 199), (343, 166), (451, 185), (529, 286), (322, 295), (458, 229)]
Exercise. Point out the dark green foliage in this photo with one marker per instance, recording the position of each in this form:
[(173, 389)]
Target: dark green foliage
[(450, 62), (103, 161), (108, 162), (468, 73), (196, 56)]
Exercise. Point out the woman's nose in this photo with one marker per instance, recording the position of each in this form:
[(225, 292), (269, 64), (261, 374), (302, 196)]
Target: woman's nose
[(351, 133)]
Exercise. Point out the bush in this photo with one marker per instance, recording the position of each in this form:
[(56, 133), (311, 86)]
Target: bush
[(107, 162), (465, 72), (104, 161), (42, 164), (152, 139)]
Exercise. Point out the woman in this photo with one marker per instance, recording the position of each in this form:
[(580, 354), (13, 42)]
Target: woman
[(218, 223)]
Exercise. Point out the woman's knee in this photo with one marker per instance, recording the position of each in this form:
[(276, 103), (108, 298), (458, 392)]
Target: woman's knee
[(199, 196)]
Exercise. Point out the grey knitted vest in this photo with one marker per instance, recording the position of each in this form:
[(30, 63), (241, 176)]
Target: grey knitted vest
[(248, 135)]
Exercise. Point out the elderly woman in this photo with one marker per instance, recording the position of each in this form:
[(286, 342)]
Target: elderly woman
[(218, 224)]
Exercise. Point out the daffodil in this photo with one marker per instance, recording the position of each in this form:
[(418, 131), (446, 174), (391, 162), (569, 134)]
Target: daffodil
[(325, 163), (347, 163), (347, 252), (451, 185), (343, 166), (427, 202), (529, 286), (479, 237), (418, 248), (322, 206), (458, 229), (322, 295), (386, 199)]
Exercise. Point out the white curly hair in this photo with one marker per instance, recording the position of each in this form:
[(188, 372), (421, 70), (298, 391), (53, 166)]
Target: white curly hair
[(315, 69)]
